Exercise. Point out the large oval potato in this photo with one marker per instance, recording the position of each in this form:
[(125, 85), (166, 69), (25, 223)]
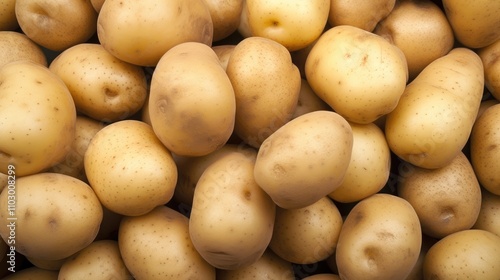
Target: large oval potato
[(305, 160), (433, 119)]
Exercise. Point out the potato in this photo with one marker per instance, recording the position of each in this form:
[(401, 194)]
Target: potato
[(358, 73), (433, 119), (225, 17), (420, 29), (54, 265), (299, 164), (467, 254), (97, 4), (417, 273), (485, 105), (475, 24), (370, 165), (232, 218), (192, 105), (37, 117), (57, 215), (361, 14), (129, 169), (269, 266), (33, 273), (308, 101), (488, 218), (103, 87), (223, 53), (380, 231), (484, 144), (244, 27), (446, 199), (15, 46), (490, 57), (8, 20), (157, 246), (57, 25), (307, 235), (99, 260), (266, 85), (130, 30)]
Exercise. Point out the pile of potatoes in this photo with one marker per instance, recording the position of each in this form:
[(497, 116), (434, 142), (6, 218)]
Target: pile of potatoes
[(250, 139)]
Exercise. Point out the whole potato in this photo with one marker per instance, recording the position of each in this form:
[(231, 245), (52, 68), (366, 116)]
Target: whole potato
[(488, 218), (489, 56), (433, 119), (8, 20), (446, 199), (467, 254), (57, 215), (308, 101), (102, 86), (54, 265), (232, 218), (225, 17), (37, 117), (156, 245), (381, 237), (129, 169), (224, 53), (359, 13), (140, 32), (299, 164), (16, 46), (358, 73), (266, 85)]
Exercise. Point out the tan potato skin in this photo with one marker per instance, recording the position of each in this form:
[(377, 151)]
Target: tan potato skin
[(225, 17), (8, 20), (16, 46), (490, 55), (488, 218), (33, 273), (359, 13)]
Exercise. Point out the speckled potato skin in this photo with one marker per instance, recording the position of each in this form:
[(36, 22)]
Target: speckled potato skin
[(52, 209), (16, 46), (157, 246), (37, 118), (129, 169)]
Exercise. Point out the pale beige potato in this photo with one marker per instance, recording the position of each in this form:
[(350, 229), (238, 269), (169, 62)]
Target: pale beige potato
[(55, 24), (446, 199), (102, 86), (490, 56), (307, 235), (358, 73), (99, 260), (54, 265), (380, 231), (433, 120), (268, 267), (484, 149), (232, 218), (359, 13), (16, 46), (8, 20), (475, 23), (308, 101), (322, 276), (192, 103), (140, 32), (97, 4), (129, 168), (58, 214), (37, 117), (244, 26), (489, 217), (32, 273), (420, 29), (467, 254), (157, 246), (266, 86), (224, 53), (369, 167), (225, 17), (294, 24), (300, 163)]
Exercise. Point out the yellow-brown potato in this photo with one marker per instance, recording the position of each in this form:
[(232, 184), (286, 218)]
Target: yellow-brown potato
[(232, 218), (244, 27), (192, 105), (224, 53), (140, 32), (322, 276), (103, 87), (434, 117), (358, 73), (467, 254), (97, 4), (37, 117), (446, 199), (266, 85), (8, 20), (47, 264), (299, 164), (129, 168), (485, 105), (379, 232), (55, 24), (307, 235), (308, 101), (484, 149), (475, 23), (99, 260), (359, 13), (157, 246), (370, 164), (490, 56), (33, 273), (420, 29), (489, 217), (269, 266), (57, 215), (225, 17), (16, 46)]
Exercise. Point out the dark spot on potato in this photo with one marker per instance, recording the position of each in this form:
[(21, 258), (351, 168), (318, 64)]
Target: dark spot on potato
[(358, 217), (53, 224), (491, 147), (247, 194), (27, 214), (110, 93), (279, 170), (447, 214), (384, 235)]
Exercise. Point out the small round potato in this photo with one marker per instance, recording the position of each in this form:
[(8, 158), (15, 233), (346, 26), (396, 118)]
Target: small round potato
[(224, 53), (308, 101), (491, 63), (489, 218), (16, 46), (225, 17), (359, 13), (47, 264)]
